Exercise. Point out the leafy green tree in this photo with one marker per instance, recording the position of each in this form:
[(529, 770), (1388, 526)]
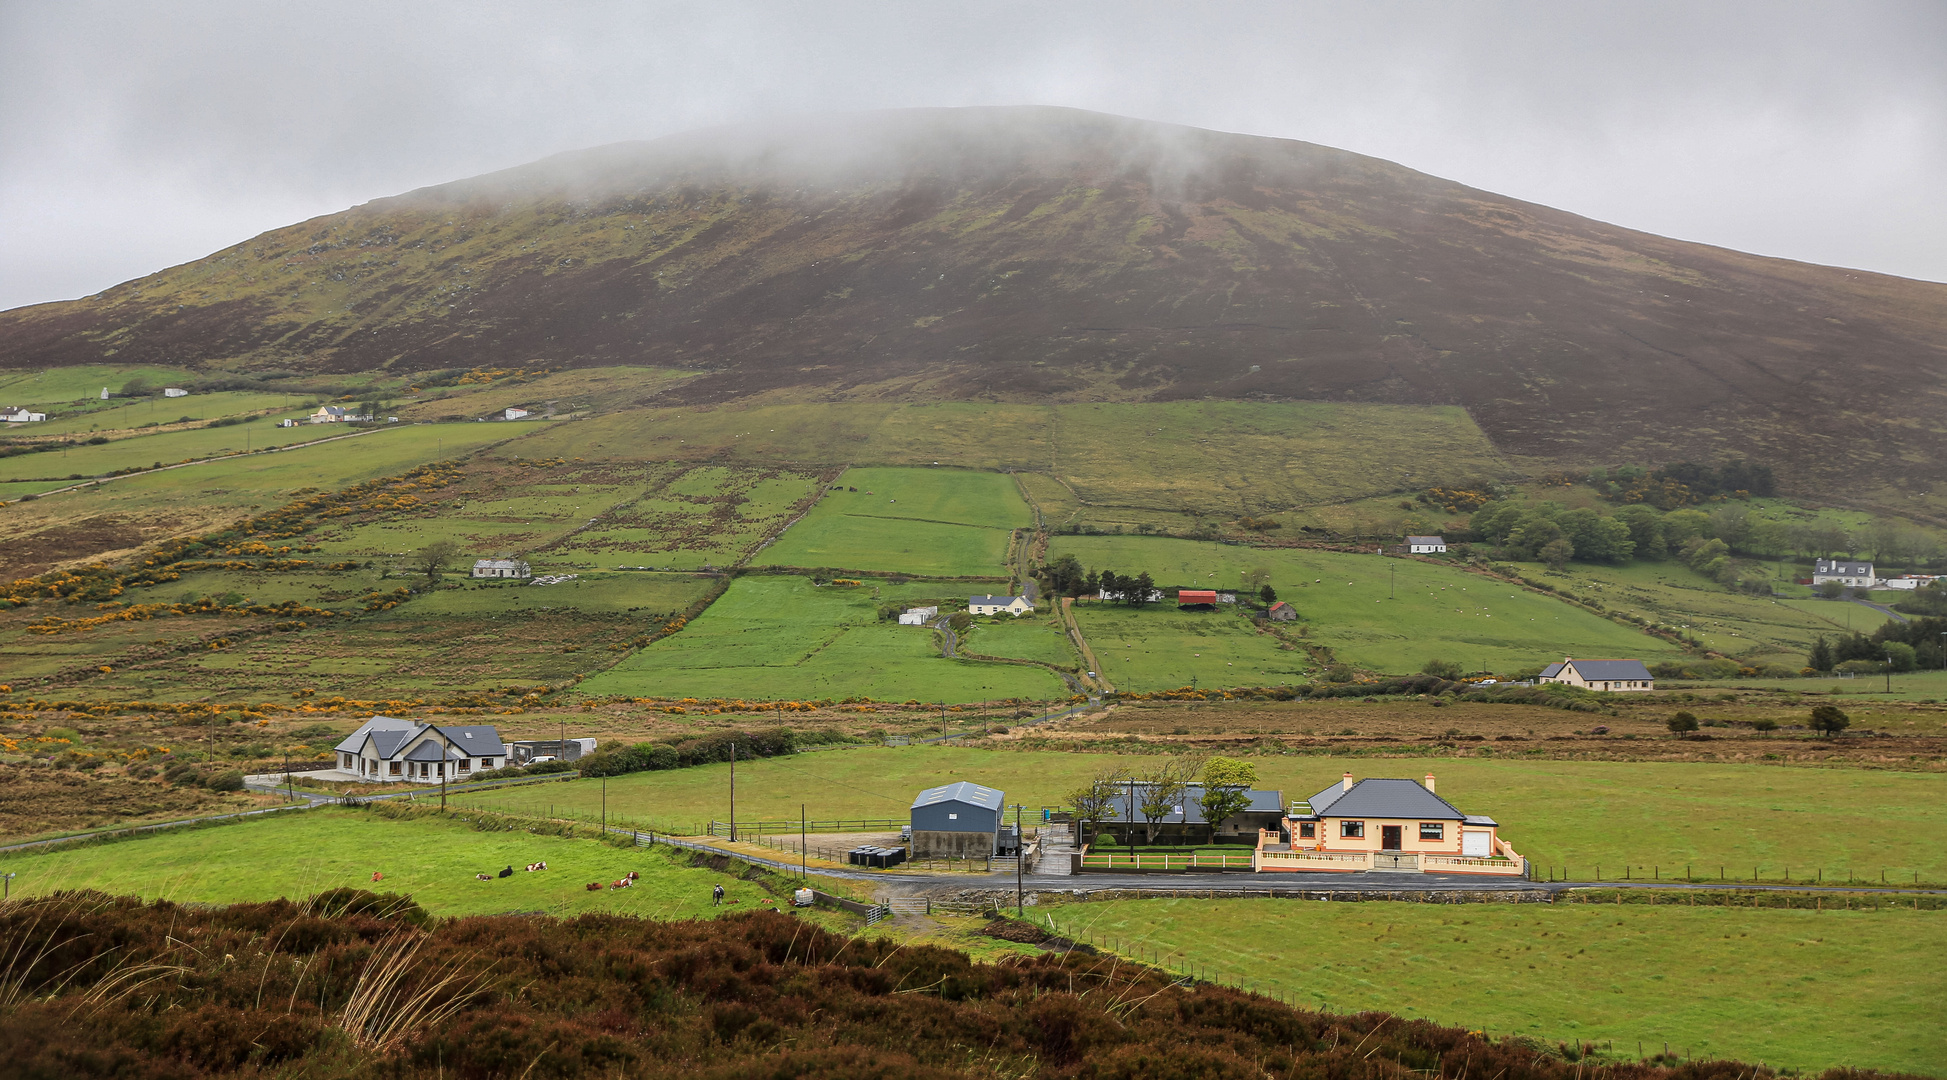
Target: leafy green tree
[(1093, 801), (1827, 720), (1596, 538), (1820, 658), (434, 559), (1764, 724), (1445, 669), (1226, 789), (1682, 723), (137, 387), (1682, 526), (1832, 590), (1645, 524), (1900, 656), (1268, 595), (1144, 587), (1556, 553), (1162, 791)]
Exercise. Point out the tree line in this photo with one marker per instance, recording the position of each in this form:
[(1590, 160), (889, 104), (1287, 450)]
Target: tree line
[(1065, 576), (1895, 646), (1159, 792), (1711, 542)]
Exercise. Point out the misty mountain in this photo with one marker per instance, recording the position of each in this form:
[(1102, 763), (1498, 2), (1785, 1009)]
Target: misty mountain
[(1032, 253)]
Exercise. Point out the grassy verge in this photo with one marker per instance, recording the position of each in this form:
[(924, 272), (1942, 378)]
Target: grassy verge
[(434, 859), (1805, 989)]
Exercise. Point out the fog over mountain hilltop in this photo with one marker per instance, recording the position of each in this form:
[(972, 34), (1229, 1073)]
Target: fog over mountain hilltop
[(1042, 253)]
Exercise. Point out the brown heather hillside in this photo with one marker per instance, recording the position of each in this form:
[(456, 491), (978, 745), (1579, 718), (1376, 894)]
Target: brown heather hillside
[(1051, 254), (104, 987)]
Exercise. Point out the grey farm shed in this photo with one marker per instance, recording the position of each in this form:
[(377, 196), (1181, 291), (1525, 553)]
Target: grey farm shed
[(957, 821)]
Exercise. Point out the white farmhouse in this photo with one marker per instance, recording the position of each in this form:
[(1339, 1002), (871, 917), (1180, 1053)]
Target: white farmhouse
[(1858, 575), (501, 568), (1426, 545), (999, 605), (172, 391), (15, 414), (512, 413), (918, 616)]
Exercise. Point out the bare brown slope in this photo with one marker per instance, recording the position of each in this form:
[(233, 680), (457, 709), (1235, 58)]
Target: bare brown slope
[(1018, 253)]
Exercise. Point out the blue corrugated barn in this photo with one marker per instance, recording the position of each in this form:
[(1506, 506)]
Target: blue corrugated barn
[(957, 821)]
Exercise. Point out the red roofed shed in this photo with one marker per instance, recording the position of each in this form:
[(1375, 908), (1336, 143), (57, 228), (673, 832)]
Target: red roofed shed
[(1186, 597)]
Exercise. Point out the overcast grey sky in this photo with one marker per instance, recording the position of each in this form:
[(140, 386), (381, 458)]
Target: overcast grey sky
[(138, 135)]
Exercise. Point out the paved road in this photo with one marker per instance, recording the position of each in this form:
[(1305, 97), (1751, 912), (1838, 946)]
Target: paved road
[(1248, 883)]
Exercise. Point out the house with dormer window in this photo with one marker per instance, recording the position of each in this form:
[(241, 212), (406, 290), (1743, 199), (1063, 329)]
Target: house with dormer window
[(387, 749)]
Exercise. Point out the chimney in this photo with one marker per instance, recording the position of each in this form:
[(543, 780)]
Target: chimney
[(1346, 784), (1429, 783)]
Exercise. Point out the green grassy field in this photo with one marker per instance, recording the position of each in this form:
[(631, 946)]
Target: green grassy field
[(302, 853), (1029, 637), (1907, 686), (166, 448), (1127, 460), (782, 637), (80, 383), (652, 593), (1388, 614), (1162, 648), (938, 522), (1756, 629), (1653, 817), (1790, 988)]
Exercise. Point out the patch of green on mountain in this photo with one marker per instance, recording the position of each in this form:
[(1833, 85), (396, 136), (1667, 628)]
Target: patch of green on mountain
[(103, 521), (1386, 614), (933, 522), (783, 637)]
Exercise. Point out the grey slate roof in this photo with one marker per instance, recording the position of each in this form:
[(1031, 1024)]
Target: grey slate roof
[(1611, 670), (1374, 798), (1426, 540), (1843, 567), (1001, 600), (1551, 671), (970, 793), (474, 740), (388, 732), (1120, 809), (431, 751)]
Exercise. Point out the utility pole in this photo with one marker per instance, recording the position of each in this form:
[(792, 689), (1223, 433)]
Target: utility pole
[(1391, 571), (804, 856), (290, 789), (1020, 853), (604, 806), (733, 793)]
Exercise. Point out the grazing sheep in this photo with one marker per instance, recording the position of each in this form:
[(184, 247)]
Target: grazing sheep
[(531, 867), (509, 871), (483, 877)]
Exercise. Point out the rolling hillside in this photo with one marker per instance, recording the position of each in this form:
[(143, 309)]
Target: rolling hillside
[(1049, 254)]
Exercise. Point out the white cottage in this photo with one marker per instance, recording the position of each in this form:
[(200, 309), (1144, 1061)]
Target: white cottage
[(501, 568)]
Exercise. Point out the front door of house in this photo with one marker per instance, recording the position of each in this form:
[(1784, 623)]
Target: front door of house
[(1389, 838)]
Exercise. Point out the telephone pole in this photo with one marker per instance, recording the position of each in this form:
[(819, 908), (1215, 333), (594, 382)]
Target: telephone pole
[(733, 793), (1020, 853)]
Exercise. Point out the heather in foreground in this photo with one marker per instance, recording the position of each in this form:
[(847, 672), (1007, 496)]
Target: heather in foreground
[(352, 984)]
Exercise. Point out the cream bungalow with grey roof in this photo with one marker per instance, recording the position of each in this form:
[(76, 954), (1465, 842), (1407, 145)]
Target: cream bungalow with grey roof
[(386, 748), (999, 605), (1389, 826), (1600, 674), (1426, 545)]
